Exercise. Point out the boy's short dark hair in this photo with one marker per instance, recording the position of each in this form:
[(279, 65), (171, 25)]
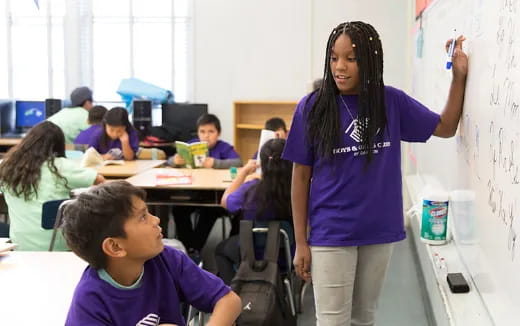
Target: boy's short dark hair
[(95, 115), (207, 119), (275, 124), (97, 214), (316, 84)]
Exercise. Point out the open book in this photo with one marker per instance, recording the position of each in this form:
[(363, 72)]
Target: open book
[(193, 154), (265, 135), (92, 158), (5, 246)]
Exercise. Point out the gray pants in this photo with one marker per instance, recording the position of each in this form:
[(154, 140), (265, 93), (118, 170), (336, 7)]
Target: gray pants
[(347, 282)]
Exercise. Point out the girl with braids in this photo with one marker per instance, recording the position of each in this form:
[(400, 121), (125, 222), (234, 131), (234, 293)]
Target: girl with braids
[(346, 185), (36, 171), (259, 199)]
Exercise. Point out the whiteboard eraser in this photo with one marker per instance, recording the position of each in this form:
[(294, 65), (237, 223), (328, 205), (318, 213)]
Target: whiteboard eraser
[(457, 283)]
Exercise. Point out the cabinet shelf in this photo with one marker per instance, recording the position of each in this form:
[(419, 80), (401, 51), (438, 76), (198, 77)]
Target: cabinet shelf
[(250, 117), (249, 126)]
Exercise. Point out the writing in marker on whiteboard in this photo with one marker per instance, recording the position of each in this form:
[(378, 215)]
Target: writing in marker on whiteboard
[(451, 50)]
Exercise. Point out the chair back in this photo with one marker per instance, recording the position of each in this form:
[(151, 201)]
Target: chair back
[(49, 213), (52, 213), (260, 229)]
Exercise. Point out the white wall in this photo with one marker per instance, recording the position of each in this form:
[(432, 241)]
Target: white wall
[(273, 49)]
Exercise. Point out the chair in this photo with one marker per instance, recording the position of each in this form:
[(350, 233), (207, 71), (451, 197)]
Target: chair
[(52, 213), (286, 235), (174, 243), (298, 285), (4, 230)]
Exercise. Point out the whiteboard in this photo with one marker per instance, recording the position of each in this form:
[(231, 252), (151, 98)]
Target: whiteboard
[(484, 157)]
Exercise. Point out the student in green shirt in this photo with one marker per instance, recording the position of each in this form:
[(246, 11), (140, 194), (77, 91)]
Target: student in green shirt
[(36, 171), (74, 120)]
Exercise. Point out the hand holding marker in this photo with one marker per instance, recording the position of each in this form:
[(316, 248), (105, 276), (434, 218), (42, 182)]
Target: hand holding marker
[(451, 50)]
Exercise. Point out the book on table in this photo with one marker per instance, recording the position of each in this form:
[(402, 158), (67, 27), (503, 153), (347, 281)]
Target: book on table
[(92, 158), (193, 154), (167, 177), (6, 247)]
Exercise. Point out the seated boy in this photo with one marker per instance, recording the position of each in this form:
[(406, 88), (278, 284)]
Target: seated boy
[(95, 120), (132, 279), (278, 126), (221, 154)]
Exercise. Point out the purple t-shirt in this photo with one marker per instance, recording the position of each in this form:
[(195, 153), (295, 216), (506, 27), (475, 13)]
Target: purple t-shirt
[(116, 143), (86, 135), (236, 202), (349, 206), (221, 150), (168, 279)]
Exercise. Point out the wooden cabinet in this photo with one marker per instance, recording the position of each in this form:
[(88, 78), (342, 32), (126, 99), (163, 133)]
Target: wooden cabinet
[(250, 117)]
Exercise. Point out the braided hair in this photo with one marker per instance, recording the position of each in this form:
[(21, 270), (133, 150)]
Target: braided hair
[(323, 125)]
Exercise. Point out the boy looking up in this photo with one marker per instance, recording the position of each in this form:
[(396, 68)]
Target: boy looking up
[(132, 279)]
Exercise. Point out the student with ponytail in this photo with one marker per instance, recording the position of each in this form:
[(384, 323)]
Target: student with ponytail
[(268, 198), (346, 185)]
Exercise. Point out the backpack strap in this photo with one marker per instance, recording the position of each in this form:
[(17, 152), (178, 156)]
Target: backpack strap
[(272, 244), (247, 250)]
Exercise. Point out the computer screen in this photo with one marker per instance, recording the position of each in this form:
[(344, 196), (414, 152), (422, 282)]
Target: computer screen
[(29, 113), (183, 118), (6, 116)]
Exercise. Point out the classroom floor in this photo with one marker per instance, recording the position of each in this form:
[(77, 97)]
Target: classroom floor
[(402, 302)]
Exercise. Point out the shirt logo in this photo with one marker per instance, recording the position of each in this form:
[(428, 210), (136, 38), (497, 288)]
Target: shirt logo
[(354, 130), (149, 320), (248, 306)]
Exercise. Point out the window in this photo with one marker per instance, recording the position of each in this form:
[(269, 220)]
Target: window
[(47, 52), (132, 38), (32, 59)]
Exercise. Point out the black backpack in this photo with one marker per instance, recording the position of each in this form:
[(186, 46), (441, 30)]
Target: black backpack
[(258, 283)]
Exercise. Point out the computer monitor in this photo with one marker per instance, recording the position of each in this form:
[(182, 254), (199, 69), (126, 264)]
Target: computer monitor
[(29, 113), (182, 117)]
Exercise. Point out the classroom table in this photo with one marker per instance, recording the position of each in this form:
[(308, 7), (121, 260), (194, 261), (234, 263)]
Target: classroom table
[(128, 169), (10, 141), (206, 188), (36, 288)]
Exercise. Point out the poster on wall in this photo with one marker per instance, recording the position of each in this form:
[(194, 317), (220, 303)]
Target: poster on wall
[(420, 6)]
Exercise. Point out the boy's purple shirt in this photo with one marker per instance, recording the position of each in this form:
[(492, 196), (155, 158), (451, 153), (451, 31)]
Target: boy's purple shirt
[(169, 279), (221, 150), (350, 205), (86, 135)]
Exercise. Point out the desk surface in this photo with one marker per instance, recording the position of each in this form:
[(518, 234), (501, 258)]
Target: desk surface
[(129, 168), (206, 179), (10, 141), (36, 288)]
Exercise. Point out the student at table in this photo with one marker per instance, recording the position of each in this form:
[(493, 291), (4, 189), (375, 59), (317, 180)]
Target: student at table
[(36, 171), (95, 120), (117, 139), (73, 120), (221, 156)]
